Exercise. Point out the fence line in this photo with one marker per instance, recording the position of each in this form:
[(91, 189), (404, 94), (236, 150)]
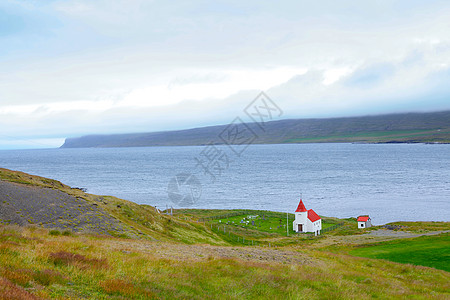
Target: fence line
[(332, 227), (228, 230), (224, 216), (238, 213), (312, 235)]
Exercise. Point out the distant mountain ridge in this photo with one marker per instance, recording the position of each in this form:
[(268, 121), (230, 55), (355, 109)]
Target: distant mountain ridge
[(431, 127)]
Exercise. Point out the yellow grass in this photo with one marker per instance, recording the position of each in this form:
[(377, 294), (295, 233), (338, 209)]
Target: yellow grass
[(34, 262)]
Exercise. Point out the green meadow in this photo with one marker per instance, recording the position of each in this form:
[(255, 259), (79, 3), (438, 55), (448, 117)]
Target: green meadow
[(266, 221), (430, 251)]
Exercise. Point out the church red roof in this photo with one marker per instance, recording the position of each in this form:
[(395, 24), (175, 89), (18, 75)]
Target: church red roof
[(301, 207), (312, 216), (363, 218)]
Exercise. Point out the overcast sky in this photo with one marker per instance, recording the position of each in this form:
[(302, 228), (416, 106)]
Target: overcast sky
[(69, 68)]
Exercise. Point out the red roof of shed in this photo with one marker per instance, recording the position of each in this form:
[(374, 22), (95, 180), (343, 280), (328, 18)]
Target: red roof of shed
[(363, 218), (312, 216), (301, 207)]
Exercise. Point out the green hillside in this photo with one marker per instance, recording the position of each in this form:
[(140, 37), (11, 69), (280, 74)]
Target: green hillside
[(56, 205), (394, 128)]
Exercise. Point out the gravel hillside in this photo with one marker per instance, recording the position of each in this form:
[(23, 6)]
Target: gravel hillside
[(22, 205)]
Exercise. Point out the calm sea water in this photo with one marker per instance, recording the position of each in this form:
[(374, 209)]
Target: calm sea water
[(388, 182)]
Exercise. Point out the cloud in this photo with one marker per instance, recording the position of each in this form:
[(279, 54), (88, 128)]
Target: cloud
[(78, 67), (370, 76)]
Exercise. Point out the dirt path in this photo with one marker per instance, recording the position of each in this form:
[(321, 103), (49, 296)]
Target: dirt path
[(204, 252), (401, 234), (262, 254), (381, 235)]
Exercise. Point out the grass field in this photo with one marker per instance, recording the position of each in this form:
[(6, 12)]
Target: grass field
[(421, 227), (260, 227), (271, 222), (431, 251), (38, 263)]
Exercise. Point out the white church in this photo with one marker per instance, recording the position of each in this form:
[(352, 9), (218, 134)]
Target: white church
[(307, 220)]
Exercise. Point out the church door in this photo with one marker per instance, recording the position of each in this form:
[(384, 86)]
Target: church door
[(300, 227)]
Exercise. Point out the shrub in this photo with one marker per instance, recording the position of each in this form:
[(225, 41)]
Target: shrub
[(117, 286), (8, 290), (21, 276), (67, 258), (67, 232), (124, 288), (54, 232), (48, 277)]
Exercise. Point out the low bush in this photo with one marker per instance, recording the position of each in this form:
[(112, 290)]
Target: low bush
[(10, 291), (66, 258), (48, 277), (54, 232)]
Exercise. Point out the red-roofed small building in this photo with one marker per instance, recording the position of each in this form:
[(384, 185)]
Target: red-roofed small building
[(307, 220), (364, 222)]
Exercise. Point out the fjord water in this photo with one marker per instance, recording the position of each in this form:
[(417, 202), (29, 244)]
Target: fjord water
[(390, 182)]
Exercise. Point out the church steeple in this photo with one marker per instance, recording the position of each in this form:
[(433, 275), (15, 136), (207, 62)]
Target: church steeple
[(301, 207)]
